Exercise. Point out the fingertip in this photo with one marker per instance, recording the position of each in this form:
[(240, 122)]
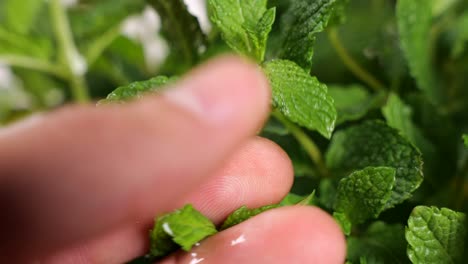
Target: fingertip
[(296, 234)]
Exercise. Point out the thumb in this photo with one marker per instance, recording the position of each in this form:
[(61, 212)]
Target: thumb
[(82, 171)]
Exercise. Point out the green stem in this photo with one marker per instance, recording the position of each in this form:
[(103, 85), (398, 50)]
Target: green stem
[(99, 45), (307, 143), (33, 64), (69, 56), (351, 63)]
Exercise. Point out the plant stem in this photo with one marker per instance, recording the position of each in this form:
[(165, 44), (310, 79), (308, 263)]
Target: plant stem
[(99, 45), (351, 63), (69, 56), (33, 64), (307, 143)]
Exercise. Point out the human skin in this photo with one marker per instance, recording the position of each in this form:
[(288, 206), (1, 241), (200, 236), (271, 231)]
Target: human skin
[(82, 184)]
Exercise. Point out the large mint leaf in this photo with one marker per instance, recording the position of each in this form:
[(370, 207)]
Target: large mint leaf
[(364, 194), (352, 102), (244, 24), (375, 144), (380, 243), (435, 235), (414, 19), (184, 228), (301, 23), (181, 29), (244, 213), (301, 97), (136, 90)]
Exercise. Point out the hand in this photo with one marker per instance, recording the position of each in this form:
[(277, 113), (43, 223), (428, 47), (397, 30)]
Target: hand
[(83, 184)]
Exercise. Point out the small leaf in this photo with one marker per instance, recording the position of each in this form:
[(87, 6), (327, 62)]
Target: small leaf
[(242, 214), (136, 90), (244, 24), (465, 138), (301, 97), (380, 243), (364, 194), (374, 144), (435, 235), (414, 19), (184, 228), (352, 102), (294, 199), (301, 23)]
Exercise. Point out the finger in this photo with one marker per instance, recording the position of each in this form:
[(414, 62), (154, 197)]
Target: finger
[(259, 173), (83, 171), (285, 235)]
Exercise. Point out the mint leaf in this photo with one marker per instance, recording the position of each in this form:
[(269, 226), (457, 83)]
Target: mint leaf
[(435, 235), (343, 222), (181, 29), (301, 23), (380, 243), (374, 144), (184, 227), (364, 194), (399, 116), (353, 102), (414, 19), (244, 213), (465, 138), (136, 90), (294, 199), (244, 24), (301, 97)]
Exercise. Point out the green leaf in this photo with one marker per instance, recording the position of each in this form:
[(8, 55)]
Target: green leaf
[(136, 90), (365, 193), (435, 235), (244, 24), (399, 116), (301, 23), (242, 214), (181, 29), (184, 228), (301, 97), (414, 19), (344, 222), (465, 138), (375, 144), (380, 243), (353, 102), (21, 15), (294, 199)]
